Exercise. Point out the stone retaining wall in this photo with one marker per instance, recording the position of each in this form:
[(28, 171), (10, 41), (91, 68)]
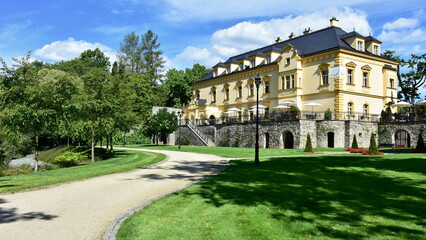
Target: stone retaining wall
[(340, 133)]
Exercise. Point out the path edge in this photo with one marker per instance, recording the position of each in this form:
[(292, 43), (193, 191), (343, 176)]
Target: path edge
[(112, 230)]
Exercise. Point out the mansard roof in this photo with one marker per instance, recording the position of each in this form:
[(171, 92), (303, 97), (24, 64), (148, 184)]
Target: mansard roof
[(371, 38), (324, 40)]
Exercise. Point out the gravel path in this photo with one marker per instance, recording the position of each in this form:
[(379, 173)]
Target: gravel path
[(84, 209)]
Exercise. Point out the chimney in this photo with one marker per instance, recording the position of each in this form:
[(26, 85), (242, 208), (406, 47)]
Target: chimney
[(278, 40), (291, 36), (334, 22), (308, 30)]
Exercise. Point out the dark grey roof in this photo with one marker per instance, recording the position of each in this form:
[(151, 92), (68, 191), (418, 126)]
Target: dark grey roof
[(220, 64), (371, 38), (232, 60), (324, 40), (256, 53), (351, 34)]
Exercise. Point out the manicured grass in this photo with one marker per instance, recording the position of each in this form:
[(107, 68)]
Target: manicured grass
[(235, 152), (304, 197), (49, 155), (123, 161)]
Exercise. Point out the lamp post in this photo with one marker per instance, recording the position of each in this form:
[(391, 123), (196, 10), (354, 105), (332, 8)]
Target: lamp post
[(257, 81), (179, 122)]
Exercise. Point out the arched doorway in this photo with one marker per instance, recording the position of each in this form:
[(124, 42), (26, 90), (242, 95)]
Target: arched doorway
[(288, 139), (266, 140), (402, 138), (212, 120), (330, 139)]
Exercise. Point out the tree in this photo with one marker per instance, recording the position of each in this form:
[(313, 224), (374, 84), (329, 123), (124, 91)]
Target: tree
[(178, 88), (420, 143), (411, 81), (130, 53), (373, 145), (178, 84), (161, 124), (308, 146), (153, 62), (354, 143), (43, 95)]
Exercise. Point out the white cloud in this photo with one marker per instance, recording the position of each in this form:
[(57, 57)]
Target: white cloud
[(249, 35), (69, 49), (401, 23), (191, 55)]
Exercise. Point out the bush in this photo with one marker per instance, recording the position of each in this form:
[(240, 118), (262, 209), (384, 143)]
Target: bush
[(373, 145), (308, 147), (327, 114), (136, 137), (420, 144), (70, 159), (354, 143), (295, 110)]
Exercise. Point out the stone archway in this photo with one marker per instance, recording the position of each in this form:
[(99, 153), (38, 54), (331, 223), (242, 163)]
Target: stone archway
[(288, 140), (266, 142), (330, 139), (402, 138)]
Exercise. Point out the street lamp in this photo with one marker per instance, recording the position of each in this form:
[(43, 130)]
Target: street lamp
[(179, 123), (257, 81)]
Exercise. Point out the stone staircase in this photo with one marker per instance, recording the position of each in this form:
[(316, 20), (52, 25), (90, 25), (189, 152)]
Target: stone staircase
[(199, 134)]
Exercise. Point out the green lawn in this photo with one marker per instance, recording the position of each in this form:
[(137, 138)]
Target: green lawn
[(124, 160), (235, 152), (299, 197)]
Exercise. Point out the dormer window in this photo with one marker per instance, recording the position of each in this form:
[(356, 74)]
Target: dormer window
[(376, 50), (241, 66), (268, 59), (253, 63), (228, 69), (287, 61), (360, 46)]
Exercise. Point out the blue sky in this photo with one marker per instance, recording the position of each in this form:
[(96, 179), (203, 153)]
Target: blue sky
[(198, 31)]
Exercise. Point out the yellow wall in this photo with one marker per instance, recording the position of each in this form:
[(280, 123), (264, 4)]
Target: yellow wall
[(307, 87)]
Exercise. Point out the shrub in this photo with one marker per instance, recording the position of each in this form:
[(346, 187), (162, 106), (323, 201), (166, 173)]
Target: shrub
[(420, 144), (295, 110), (327, 114), (354, 143), (308, 147), (70, 159), (373, 145)]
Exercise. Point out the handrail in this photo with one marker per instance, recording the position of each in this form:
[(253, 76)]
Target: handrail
[(197, 132)]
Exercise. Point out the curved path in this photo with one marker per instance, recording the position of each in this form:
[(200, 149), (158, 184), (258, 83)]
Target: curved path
[(84, 209)]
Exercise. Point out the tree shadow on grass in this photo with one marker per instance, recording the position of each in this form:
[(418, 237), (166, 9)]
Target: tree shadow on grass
[(8, 215), (372, 195)]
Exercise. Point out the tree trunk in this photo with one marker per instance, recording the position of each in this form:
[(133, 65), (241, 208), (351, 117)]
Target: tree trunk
[(110, 141), (36, 153), (93, 147), (107, 142)]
